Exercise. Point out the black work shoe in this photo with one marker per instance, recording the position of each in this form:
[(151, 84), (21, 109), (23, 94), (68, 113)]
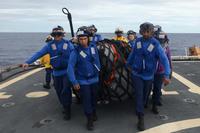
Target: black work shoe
[(78, 100), (90, 125), (146, 106), (140, 124), (155, 109), (46, 86), (95, 118), (67, 114), (159, 103)]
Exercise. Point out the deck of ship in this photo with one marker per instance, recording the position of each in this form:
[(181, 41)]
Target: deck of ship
[(26, 107)]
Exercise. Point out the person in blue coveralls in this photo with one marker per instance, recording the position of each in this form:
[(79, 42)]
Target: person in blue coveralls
[(59, 50), (158, 83), (96, 38), (142, 64), (93, 34), (83, 71), (131, 36)]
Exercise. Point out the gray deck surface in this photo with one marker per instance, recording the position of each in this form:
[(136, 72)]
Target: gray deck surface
[(26, 114)]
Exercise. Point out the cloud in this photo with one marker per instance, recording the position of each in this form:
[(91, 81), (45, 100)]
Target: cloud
[(173, 15)]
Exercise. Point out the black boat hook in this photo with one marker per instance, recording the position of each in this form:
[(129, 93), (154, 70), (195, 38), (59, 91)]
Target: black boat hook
[(66, 12)]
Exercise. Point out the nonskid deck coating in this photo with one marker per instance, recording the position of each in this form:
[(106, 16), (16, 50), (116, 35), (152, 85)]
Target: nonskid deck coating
[(22, 114)]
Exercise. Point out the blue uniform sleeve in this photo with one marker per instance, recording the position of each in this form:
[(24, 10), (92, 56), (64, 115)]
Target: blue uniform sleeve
[(71, 65), (38, 54), (164, 60)]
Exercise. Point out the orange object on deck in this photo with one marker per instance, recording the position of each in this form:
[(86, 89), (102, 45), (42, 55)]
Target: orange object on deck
[(194, 51)]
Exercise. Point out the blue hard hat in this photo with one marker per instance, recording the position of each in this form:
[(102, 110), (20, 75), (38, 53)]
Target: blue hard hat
[(131, 32), (146, 27), (82, 31)]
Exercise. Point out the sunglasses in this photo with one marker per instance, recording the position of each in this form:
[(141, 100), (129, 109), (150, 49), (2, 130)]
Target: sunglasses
[(57, 34)]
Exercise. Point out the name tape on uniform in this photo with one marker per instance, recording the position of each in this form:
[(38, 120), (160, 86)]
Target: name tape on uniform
[(53, 46), (139, 45), (65, 46), (95, 39), (150, 48), (92, 50), (83, 54)]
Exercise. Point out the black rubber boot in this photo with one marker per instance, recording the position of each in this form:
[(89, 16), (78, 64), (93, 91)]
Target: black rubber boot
[(67, 113), (155, 109), (47, 86), (140, 124), (95, 118), (90, 125)]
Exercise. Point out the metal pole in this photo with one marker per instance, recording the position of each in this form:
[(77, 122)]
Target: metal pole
[(66, 12)]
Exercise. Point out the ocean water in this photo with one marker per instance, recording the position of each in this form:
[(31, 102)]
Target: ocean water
[(15, 48)]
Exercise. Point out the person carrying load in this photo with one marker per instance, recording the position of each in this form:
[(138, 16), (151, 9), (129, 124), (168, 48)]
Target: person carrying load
[(158, 82), (59, 50), (142, 63), (83, 71)]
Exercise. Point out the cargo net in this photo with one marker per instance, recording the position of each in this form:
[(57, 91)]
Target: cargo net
[(115, 79)]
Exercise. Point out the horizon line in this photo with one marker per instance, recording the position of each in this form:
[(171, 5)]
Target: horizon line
[(98, 32)]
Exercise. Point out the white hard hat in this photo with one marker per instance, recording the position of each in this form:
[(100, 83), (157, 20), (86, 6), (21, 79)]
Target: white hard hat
[(119, 29)]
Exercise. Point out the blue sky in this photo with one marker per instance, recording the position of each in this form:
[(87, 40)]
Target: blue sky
[(175, 16)]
